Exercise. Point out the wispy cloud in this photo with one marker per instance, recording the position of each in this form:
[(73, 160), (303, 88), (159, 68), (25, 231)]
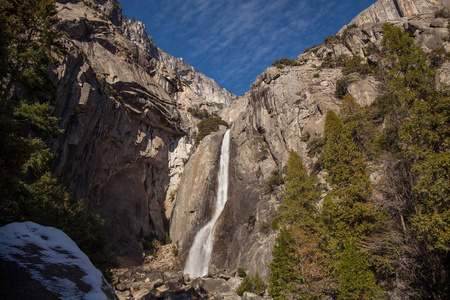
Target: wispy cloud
[(233, 41)]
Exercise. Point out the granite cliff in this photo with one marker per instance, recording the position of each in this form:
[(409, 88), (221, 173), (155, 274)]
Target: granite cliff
[(123, 104), (384, 10)]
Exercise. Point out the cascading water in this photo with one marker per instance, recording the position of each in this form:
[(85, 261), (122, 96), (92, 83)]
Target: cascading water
[(200, 253)]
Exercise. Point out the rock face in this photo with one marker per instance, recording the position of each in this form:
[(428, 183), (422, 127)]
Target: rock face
[(283, 111), (384, 10), (215, 96), (197, 192), (124, 112), (39, 262)]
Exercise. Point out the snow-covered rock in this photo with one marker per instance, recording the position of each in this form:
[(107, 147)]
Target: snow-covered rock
[(38, 262)]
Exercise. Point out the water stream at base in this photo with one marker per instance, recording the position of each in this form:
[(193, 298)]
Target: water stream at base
[(200, 253)]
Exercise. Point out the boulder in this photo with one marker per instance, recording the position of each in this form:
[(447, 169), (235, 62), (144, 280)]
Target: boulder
[(250, 296), (217, 287), (38, 262)]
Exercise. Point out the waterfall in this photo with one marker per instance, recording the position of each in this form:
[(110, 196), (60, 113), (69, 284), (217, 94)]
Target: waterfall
[(200, 253)]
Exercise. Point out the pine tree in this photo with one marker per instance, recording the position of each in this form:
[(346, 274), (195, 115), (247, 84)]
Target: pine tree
[(348, 212), (347, 176), (356, 280), (299, 266), (361, 130), (417, 118), (283, 276), (302, 194), (29, 49)]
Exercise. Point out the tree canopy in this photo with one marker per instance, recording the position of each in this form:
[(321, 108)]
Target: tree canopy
[(30, 48)]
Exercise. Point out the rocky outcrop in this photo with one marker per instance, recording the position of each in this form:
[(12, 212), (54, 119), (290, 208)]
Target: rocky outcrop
[(384, 10), (216, 97), (177, 70), (38, 262), (197, 192)]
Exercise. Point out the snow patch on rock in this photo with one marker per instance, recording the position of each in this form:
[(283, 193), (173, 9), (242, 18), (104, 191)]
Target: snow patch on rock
[(50, 257)]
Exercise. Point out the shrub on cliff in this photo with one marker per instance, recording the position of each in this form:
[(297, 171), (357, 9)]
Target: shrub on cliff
[(199, 113), (207, 126), (253, 285), (281, 63), (355, 65)]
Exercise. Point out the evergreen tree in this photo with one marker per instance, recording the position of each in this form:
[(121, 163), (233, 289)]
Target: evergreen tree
[(419, 117), (283, 276), (298, 266), (361, 130), (302, 194), (348, 212), (356, 280), (347, 209), (29, 49)]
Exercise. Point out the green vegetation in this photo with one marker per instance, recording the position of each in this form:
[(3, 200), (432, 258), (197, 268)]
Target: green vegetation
[(253, 285), (354, 70), (29, 48), (347, 30), (332, 39), (297, 269), (437, 57), (207, 126), (362, 131), (357, 244), (264, 227), (274, 180), (418, 129), (284, 62), (355, 65), (334, 62), (343, 83), (172, 195), (167, 239), (199, 113), (175, 249), (241, 272)]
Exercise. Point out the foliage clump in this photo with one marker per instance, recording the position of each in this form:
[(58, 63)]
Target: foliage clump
[(207, 126), (334, 62), (343, 83), (241, 272), (253, 285), (284, 62), (274, 180), (355, 65), (199, 113), (331, 39)]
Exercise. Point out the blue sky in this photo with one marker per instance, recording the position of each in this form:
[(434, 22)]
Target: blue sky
[(233, 41)]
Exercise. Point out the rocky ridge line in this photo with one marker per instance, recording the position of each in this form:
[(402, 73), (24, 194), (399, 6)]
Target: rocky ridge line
[(385, 10)]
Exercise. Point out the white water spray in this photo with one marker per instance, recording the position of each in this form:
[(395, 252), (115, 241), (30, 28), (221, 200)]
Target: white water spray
[(200, 253)]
